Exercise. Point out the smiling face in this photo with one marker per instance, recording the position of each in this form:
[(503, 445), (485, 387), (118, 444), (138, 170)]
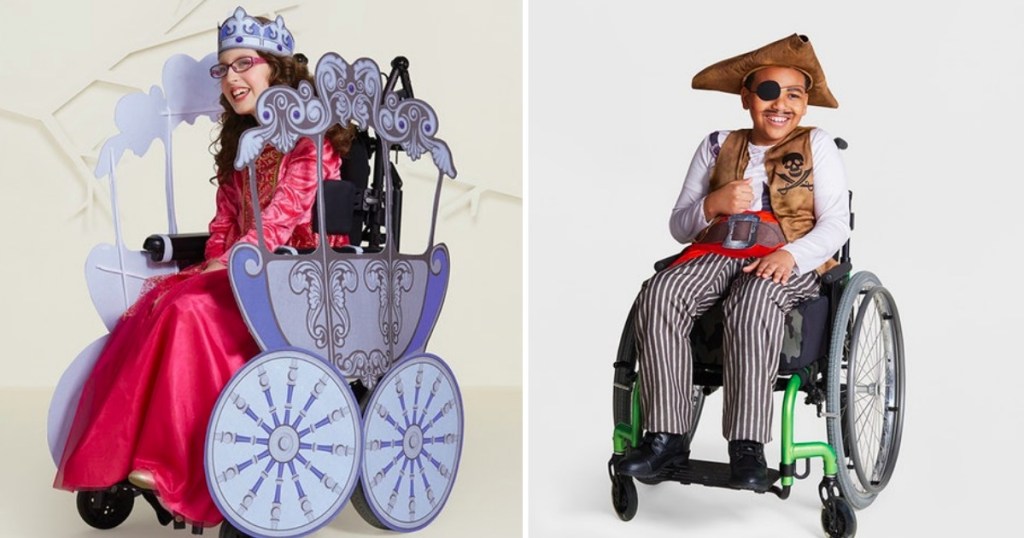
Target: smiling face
[(777, 116), (242, 89)]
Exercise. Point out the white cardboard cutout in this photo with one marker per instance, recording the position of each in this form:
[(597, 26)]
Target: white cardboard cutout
[(66, 396), (114, 274)]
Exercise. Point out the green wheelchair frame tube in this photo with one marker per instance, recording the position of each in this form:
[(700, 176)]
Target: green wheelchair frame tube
[(628, 435), (793, 451)]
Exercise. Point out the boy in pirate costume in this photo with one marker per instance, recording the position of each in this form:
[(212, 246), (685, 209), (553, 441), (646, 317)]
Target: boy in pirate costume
[(790, 181)]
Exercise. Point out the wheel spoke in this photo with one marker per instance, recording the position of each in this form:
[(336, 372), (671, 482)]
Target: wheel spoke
[(416, 397), (235, 470), (324, 478), (430, 399), (304, 504), (398, 485), (336, 415), (401, 401), (445, 409), (314, 394), (264, 382)]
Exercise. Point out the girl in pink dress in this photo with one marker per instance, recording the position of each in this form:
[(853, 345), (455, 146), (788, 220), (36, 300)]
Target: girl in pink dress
[(144, 410)]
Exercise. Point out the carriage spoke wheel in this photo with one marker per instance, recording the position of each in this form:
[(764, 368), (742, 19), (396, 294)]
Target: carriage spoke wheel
[(865, 397), (284, 445), (108, 508), (413, 429)]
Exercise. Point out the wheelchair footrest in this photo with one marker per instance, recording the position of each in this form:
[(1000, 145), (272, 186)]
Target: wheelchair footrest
[(708, 473)]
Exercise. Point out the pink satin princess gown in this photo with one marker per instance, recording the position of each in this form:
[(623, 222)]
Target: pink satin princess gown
[(148, 400)]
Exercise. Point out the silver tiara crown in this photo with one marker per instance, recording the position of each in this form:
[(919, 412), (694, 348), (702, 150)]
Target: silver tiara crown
[(241, 31)]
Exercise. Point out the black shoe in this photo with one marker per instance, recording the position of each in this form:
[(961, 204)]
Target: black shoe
[(748, 469), (656, 451)]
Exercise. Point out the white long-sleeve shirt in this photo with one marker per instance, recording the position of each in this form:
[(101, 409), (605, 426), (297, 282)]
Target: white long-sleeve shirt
[(831, 202)]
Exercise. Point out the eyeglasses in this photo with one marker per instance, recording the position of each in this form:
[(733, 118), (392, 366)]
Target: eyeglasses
[(240, 65)]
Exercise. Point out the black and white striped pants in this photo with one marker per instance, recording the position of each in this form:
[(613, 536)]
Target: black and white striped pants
[(754, 309)]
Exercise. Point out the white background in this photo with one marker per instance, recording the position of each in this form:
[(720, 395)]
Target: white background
[(930, 105)]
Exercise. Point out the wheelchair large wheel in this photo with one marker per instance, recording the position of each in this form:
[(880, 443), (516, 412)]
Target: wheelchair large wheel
[(626, 381), (413, 428), (284, 445), (865, 392)]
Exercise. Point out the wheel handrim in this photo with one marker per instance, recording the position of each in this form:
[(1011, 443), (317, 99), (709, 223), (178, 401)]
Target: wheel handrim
[(873, 390), (839, 387)]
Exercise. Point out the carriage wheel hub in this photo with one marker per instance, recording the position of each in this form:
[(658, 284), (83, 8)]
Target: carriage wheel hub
[(412, 442), (284, 444)]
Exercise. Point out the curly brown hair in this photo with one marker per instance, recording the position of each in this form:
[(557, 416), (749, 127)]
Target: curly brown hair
[(283, 70)]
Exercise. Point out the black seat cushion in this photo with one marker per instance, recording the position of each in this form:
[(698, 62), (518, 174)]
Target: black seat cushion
[(343, 202), (803, 342)]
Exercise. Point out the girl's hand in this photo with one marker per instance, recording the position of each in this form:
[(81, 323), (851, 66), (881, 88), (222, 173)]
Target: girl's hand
[(214, 265)]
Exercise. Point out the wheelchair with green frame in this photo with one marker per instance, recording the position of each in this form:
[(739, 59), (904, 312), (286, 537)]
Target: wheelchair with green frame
[(843, 349)]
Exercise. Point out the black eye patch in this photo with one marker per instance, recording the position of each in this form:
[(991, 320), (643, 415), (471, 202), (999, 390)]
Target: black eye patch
[(768, 90)]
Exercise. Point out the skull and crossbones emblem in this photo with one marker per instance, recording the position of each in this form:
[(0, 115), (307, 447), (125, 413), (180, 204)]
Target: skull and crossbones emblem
[(794, 175)]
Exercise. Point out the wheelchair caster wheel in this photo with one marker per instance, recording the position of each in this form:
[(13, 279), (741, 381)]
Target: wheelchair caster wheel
[(106, 509), (624, 497), (838, 519), (413, 438)]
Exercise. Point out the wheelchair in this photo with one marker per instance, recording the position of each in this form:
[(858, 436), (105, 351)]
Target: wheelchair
[(842, 349), (337, 406)]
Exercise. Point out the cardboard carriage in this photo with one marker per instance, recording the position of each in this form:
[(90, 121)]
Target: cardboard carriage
[(288, 442)]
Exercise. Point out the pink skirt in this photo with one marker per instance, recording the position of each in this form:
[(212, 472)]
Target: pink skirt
[(149, 398)]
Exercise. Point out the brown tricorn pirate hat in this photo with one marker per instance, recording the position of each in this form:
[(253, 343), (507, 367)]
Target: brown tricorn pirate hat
[(794, 51)]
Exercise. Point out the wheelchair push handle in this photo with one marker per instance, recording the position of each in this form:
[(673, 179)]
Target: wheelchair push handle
[(399, 71)]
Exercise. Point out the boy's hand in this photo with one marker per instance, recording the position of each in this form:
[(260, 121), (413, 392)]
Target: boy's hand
[(732, 198), (777, 266)]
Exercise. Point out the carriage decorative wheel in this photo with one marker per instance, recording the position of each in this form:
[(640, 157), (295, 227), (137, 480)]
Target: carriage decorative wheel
[(284, 445), (413, 435)]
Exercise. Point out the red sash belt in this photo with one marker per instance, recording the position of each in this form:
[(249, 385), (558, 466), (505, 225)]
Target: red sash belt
[(752, 234)]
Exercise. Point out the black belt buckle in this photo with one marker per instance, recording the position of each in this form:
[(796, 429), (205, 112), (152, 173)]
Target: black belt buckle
[(735, 244)]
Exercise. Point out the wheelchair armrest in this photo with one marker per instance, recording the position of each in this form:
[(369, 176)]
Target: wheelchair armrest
[(836, 273), (176, 247)]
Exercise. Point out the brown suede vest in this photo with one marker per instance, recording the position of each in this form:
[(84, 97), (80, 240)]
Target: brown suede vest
[(790, 169)]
